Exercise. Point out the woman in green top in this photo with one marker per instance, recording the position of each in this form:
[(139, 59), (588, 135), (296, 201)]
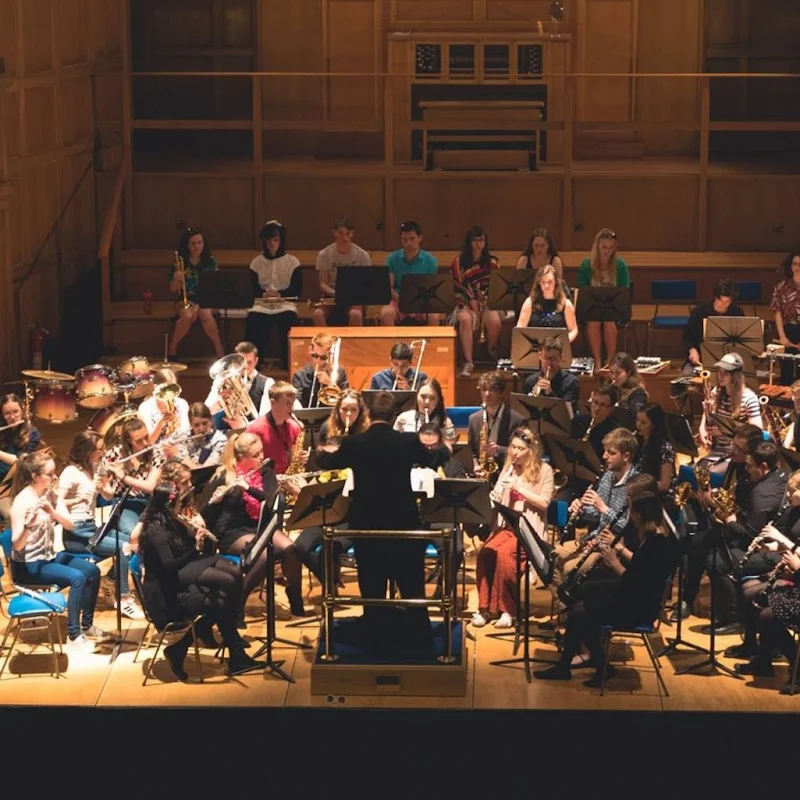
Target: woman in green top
[(603, 268)]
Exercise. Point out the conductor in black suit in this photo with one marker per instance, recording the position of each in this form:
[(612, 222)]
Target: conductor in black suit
[(381, 459)]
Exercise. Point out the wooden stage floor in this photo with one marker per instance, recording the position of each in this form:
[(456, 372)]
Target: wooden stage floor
[(90, 681)]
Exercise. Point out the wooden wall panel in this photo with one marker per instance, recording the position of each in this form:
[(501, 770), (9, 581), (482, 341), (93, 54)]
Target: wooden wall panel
[(722, 18), (40, 118), (773, 24), (75, 110), (508, 209), (743, 214), (16, 245), (77, 227), (11, 124), (222, 206), (8, 36), (105, 28), (108, 98), (307, 207), (37, 35), (39, 206), (519, 11), (72, 24), (647, 213), (433, 11)]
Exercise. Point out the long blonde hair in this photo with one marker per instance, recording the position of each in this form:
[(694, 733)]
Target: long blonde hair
[(533, 466), (28, 467), (358, 425), (537, 296), (604, 276), (236, 447)]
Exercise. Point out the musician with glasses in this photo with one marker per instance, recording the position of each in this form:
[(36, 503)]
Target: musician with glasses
[(400, 374), (594, 426), (309, 380), (550, 380)]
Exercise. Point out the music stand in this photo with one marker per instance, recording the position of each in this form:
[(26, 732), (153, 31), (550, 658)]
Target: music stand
[(507, 286), (427, 294), (680, 434), (526, 345), (404, 399), (624, 417), (603, 304), (575, 458), (225, 289), (312, 419), (362, 286), (549, 414), (463, 454), (742, 335)]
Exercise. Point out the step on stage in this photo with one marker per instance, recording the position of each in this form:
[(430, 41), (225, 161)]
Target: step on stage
[(357, 672)]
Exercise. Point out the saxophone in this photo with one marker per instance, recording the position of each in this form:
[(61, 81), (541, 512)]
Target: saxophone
[(295, 460), (487, 464)]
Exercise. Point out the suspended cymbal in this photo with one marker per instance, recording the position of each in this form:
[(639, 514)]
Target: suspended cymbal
[(47, 375), (173, 365)]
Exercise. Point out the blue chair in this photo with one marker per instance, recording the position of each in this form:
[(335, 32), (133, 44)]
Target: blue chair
[(557, 514), (176, 626), (459, 415), (642, 632), (679, 294), (5, 543), (34, 611)]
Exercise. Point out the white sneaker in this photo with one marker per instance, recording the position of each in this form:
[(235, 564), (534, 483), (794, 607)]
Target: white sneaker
[(130, 608), (80, 644), (467, 370), (96, 633), (478, 620), (505, 621)]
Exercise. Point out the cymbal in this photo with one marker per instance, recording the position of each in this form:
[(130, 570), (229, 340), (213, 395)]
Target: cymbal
[(173, 365), (47, 375)]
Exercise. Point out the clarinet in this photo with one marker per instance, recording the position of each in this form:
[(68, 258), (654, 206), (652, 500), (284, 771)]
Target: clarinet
[(569, 528), (757, 540)]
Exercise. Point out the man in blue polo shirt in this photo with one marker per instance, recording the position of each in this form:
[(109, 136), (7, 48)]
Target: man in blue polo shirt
[(411, 259)]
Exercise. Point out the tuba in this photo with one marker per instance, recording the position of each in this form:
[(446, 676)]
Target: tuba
[(234, 398), (328, 395)]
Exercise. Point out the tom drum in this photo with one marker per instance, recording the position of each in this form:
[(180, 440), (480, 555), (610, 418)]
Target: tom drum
[(136, 372), (54, 401), (96, 386)]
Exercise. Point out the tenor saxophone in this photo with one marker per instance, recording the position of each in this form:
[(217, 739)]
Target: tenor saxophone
[(486, 462), (295, 461)]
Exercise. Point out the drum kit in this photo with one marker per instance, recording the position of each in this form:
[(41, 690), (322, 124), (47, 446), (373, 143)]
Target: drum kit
[(55, 396)]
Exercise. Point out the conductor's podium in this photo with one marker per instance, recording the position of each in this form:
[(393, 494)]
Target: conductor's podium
[(365, 351), (404, 674)]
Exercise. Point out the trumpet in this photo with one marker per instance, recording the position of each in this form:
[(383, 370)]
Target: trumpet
[(324, 302), (183, 304), (546, 375), (234, 398), (268, 301), (482, 302), (168, 393)]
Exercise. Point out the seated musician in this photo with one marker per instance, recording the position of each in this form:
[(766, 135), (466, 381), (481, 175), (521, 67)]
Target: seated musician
[(275, 275), (721, 306), (541, 252), (253, 381), (313, 376), (18, 438), (410, 259), (526, 485), (431, 436), (791, 439), (205, 451), (550, 380), (341, 253), (778, 609), (786, 307), (633, 600), (35, 512), (233, 510), (548, 305), (497, 416), (430, 408), (165, 418), (768, 487), (399, 375), (471, 269), (594, 426), (139, 472), (655, 454), (197, 258), (626, 384), (181, 582), (348, 417)]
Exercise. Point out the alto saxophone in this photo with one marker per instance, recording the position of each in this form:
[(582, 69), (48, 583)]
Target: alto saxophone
[(295, 460), (486, 462)]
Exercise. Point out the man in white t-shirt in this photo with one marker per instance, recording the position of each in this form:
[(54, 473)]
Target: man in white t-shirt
[(341, 253)]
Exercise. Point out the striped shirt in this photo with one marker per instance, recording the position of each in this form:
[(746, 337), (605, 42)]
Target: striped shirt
[(39, 544), (749, 411), (472, 280), (79, 492)]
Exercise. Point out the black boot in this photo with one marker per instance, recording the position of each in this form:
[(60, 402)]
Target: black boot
[(240, 663), (175, 654), (294, 595), (204, 633)]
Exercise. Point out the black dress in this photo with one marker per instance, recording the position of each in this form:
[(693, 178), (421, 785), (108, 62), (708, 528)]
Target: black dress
[(547, 316)]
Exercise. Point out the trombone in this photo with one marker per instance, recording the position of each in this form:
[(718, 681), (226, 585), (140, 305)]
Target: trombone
[(422, 344), (328, 395)]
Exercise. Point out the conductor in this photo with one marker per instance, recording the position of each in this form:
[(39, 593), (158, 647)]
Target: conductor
[(381, 459)]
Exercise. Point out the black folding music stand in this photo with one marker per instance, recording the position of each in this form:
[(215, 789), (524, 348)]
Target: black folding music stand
[(624, 418), (549, 415), (508, 288), (225, 289), (680, 434), (362, 286), (526, 346), (427, 294), (575, 458), (604, 304), (312, 419)]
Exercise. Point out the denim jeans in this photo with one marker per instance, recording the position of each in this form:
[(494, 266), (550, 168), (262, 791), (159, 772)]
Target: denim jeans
[(81, 576), (76, 541)]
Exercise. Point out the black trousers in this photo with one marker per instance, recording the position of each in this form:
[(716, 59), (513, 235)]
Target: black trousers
[(788, 365), (728, 600), (309, 548), (257, 329)]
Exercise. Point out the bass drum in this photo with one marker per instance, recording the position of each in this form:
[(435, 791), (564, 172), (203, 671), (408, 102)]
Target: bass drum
[(108, 421)]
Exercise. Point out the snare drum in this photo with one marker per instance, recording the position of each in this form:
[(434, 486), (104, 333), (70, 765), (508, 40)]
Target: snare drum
[(136, 371), (96, 386), (54, 401), (103, 421)]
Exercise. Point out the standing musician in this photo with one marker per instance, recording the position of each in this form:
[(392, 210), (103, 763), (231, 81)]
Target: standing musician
[(548, 305), (341, 253), (499, 419), (165, 417), (786, 306), (348, 417), (430, 408), (205, 452), (275, 276), (540, 252), (194, 257), (410, 259), (399, 375), (140, 472), (471, 269), (721, 306), (631, 601), (791, 439), (550, 380), (181, 582), (233, 510), (18, 438), (34, 514), (309, 380), (526, 485), (626, 384), (252, 380), (594, 426), (383, 499)]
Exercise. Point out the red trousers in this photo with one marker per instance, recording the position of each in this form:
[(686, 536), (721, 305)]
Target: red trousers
[(496, 571)]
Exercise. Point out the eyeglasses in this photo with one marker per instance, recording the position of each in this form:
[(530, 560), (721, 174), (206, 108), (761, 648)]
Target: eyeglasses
[(316, 356), (606, 233)]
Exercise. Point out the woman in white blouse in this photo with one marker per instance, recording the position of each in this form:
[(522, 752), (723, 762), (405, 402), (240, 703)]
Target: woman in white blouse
[(430, 408)]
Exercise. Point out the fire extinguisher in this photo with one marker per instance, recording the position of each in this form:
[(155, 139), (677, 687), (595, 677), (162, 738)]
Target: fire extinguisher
[(39, 337)]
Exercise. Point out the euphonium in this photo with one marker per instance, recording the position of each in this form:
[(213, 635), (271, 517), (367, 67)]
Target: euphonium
[(233, 397), (487, 464)]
